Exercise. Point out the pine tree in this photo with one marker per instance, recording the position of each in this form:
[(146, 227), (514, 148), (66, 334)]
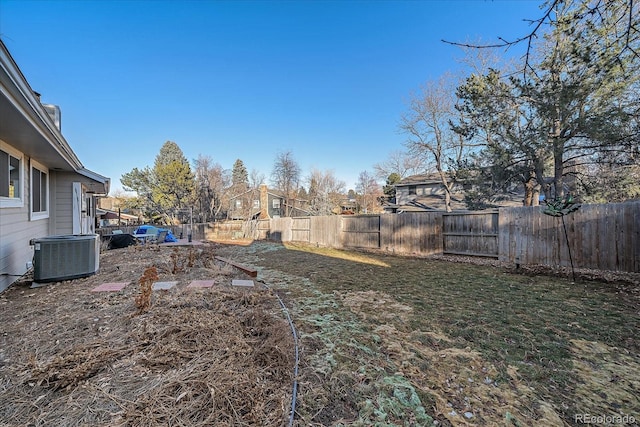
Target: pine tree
[(239, 175), (174, 181)]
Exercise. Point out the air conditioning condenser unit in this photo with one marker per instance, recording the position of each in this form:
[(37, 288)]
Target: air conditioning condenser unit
[(65, 257)]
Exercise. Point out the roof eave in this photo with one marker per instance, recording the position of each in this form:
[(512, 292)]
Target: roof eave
[(102, 183)]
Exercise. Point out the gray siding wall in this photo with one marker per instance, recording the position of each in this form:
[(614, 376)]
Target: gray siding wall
[(62, 203), (402, 195), (16, 230)]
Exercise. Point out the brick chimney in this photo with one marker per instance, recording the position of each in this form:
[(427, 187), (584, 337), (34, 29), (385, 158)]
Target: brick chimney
[(264, 202)]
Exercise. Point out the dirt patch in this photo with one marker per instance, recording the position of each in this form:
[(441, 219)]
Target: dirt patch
[(197, 357)]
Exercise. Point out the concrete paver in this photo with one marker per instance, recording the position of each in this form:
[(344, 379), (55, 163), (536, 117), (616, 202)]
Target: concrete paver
[(110, 287), (201, 284), (237, 282), (163, 285)]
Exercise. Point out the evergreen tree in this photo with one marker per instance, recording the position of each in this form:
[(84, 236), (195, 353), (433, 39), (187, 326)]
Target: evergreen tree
[(389, 188), (174, 188), (239, 175), (575, 105), (166, 190)]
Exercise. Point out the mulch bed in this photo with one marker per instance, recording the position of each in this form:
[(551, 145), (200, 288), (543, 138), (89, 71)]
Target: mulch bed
[(194, 357)]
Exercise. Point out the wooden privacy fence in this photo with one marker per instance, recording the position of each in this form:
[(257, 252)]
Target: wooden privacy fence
[(417, 232), (605, 237)]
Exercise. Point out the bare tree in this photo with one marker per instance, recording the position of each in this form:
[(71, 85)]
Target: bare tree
[(285, 177), (256, 178), (368, 191), (430, 137), (401, 162), (212, 181), (325, 192)]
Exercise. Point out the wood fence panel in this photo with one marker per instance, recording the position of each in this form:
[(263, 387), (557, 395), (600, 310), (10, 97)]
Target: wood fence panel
[(604, 237), (471, 233), (326, 231), (619, 236), (301, 229), (412, 233), (262, 229), (361, 231), (527, 236), (632, 236), (280, 229)]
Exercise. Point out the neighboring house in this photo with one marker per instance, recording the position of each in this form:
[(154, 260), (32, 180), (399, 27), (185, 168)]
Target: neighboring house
[(425, 192), (108, 217), (44, 188), (110, 213), (263, 204), (346, 207)]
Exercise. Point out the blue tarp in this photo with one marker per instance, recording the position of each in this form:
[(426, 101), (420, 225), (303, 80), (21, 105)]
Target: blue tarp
[(150, 229), (146, 229), (170, 237)]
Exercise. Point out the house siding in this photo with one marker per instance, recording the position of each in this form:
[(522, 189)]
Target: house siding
[(402, 195), (421, 190), (17, 231), (63, 189)]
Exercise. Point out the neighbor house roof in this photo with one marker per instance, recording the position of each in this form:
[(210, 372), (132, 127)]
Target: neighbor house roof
[(426, 178)]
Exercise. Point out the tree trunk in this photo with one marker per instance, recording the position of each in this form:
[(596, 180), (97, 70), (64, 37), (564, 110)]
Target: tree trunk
[(558, 167), (447, 199), (528, 193)]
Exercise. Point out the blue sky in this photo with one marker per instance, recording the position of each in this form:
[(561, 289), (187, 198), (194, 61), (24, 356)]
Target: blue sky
[(326, 80)]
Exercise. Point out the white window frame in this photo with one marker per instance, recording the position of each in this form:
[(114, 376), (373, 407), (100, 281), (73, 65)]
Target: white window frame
[(275, 203), (14, 202), (42, 169)]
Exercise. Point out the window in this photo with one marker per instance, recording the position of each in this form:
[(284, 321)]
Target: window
[(10, 178), (412, 189), (39, 192), (256, 204), (276, 204), (238, 203)]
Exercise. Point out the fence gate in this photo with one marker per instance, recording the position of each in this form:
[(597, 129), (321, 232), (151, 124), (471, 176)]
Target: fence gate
[(301, 229), (470, 233)]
